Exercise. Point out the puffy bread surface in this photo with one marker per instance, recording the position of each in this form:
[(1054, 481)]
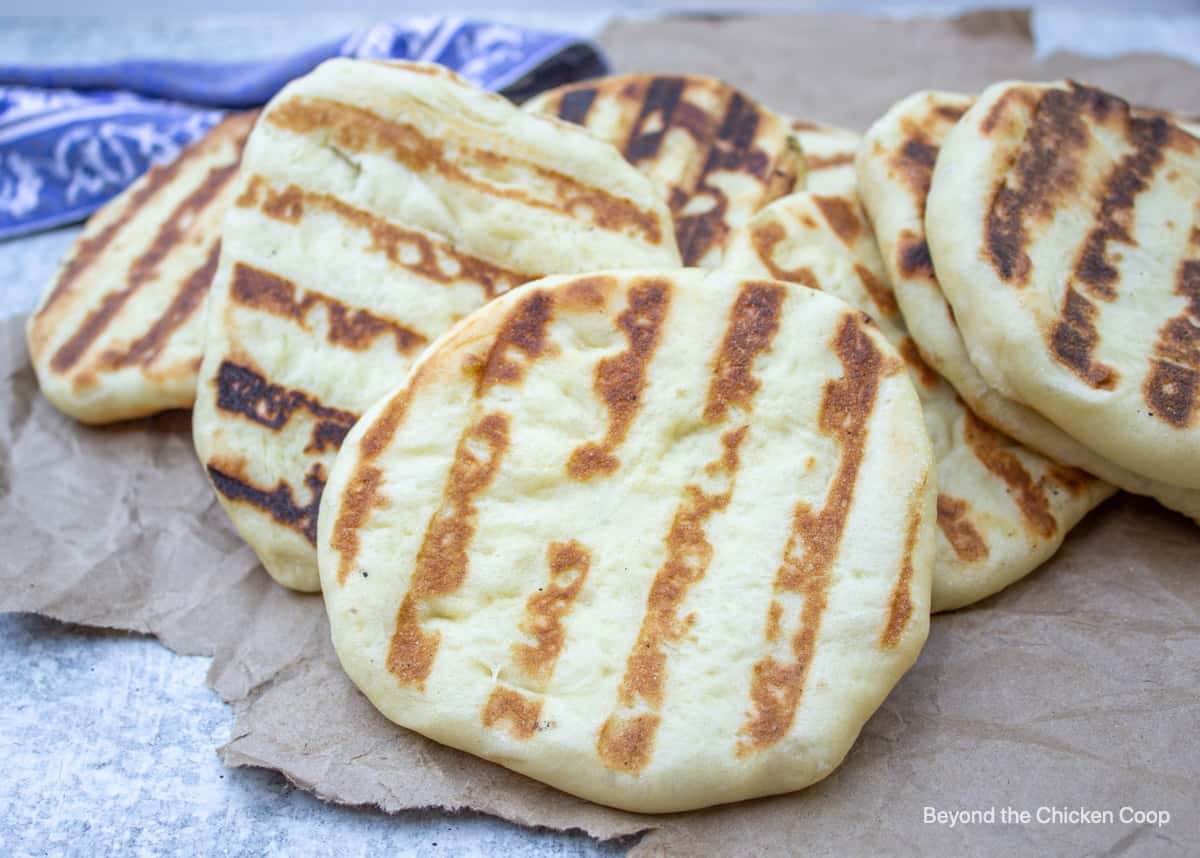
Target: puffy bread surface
[(377, 205), (715, 154), (661, 539), (1002, 509), (1065, 231), (119, 332), (828, 157), (895, 166)]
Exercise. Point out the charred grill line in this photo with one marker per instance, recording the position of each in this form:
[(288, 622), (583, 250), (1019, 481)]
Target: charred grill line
[(143, 268), (241, 390), (846, 408), (626, 741), (278, 502), (354, 329)]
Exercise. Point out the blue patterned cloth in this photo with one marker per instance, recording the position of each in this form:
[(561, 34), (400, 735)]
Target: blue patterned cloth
[(72, 137)]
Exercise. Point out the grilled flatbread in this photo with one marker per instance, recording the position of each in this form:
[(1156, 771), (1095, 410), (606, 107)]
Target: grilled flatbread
[(828, 159), (377, 205), (1065, 231), (119, 333), (895, 166), (714, 154), (659, 539), (1002, 510)]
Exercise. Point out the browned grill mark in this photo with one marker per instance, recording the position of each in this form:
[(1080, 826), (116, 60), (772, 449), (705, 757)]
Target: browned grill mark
[(144, 268), (998, 110), (241, 390), (523, 332), (954, 520), (362, 496), (920, 153), (520, 713), (363, 489), (900, 606), (1171, 393), (353, 329), (1173, 385), (846, 407), (765, 238), (286, 205), (422, 253), (441, 564), (774, 621), (841, 216), (678, 113), (1046, 169), (663, 106), (587, 294), (752, 326), (621, 379), (912, 356), (914, 161), (183, 216), (1114, 219), (913, 257), (1073, 480), (88, 250), (146, 348), (782, 179), (826, 162), (1073, 338), (380, 434), (278, 502), (660, 101), (729, 461), (544, 610), (688, 555), (1029, 495), (575, 105), (360, 130), (626, 741), (880, 293), (732, 149), (950, 114)]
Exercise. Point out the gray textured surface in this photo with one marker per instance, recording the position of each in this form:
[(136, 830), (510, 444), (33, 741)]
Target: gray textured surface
[(108, 747), (26, 266)]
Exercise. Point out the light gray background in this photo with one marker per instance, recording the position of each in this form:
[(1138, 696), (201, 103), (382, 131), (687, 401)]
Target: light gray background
[(107, 740)]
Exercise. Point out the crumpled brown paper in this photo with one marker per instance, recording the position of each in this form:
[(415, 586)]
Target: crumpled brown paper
[(1077, 688)]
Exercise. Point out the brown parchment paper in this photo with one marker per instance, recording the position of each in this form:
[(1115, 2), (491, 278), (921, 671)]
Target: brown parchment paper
[(1076, 688)]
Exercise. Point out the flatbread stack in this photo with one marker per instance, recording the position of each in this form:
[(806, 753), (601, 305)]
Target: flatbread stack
[(896, 168), (119, 333), (1002, 509), (1084, 242), (376, 206), (660, 536), (659, 539), (715, 155)]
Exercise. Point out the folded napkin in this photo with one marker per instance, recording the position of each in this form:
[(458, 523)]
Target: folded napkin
[(72, 137)]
